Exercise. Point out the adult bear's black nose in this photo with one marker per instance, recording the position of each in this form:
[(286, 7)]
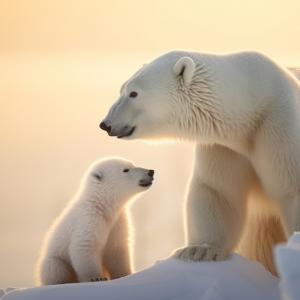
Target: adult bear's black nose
[(105, 127), (151, 173)]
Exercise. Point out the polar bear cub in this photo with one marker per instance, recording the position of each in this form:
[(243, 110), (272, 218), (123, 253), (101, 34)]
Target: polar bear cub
[(90, 239)]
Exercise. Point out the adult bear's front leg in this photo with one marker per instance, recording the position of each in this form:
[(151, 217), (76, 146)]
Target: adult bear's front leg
[(210, 230), (216, 204)]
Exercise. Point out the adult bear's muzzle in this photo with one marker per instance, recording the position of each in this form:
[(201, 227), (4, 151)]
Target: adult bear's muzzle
[(118, 131)]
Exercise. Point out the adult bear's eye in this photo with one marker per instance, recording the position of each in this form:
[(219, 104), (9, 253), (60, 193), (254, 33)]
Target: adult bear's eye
[(97, 176), (133, 94), (126, 170)]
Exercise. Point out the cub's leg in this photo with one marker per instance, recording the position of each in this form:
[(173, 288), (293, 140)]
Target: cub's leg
[(216, 203), (53, 270), (117, 256), (87, 248)]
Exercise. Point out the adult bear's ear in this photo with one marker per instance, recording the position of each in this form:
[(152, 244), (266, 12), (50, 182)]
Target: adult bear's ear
[(185, 67)]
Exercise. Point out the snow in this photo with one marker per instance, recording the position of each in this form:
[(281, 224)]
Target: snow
[(172, 279), (236, 278)]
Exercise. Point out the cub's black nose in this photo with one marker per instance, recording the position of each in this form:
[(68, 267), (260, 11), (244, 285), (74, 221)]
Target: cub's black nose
[(151, 173), (105, 127)]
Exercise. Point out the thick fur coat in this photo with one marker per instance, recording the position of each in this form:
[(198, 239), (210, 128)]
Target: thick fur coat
[(89, 241)]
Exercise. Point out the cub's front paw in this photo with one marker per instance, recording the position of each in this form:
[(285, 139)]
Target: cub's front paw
[(98, 279), (204, 252)]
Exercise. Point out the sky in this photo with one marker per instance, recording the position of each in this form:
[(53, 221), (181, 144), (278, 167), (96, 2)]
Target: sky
[(133, 27), (62, 64)]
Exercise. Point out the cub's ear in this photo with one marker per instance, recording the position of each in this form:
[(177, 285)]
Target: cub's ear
[(99, 176), (185, 67)]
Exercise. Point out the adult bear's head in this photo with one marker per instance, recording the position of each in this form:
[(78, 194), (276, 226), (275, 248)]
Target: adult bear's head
[(168, 98)]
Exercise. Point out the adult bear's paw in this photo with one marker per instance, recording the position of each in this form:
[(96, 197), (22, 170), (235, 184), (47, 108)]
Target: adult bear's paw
[(204, 252)]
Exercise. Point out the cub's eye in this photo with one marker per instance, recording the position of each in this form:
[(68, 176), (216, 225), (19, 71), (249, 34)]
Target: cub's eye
[(126, 170), (133, 94)]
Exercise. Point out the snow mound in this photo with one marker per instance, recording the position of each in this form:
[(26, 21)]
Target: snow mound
[(171, 279), (288, 265)]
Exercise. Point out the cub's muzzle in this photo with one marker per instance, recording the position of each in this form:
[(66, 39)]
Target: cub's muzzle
[(147, 180)]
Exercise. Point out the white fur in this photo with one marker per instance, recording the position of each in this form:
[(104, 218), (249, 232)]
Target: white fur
[(186, 67), (90, 239), (243, 112)]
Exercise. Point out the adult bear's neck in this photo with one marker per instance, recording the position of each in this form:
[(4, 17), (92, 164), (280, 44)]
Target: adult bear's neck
[(199, 115)]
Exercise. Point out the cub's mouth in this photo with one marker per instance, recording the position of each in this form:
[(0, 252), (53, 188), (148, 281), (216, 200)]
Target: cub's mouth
[(145, 184)]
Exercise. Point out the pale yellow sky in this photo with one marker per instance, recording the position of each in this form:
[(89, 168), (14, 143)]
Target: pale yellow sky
[(131, 26)]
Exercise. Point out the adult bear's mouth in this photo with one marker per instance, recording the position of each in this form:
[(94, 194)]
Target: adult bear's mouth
[(146, 184), (126, 133)]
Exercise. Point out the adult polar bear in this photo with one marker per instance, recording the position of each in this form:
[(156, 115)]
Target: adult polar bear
[(243, 112)]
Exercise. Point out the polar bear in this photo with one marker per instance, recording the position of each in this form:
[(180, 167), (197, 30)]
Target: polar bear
[(242, 111), (90, 239)]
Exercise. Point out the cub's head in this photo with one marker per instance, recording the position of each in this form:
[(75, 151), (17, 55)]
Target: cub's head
[(150, 105), (119, 176)]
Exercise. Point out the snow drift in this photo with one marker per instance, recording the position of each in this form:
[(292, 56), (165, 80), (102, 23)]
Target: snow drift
[(236, 278), (171, 279)]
